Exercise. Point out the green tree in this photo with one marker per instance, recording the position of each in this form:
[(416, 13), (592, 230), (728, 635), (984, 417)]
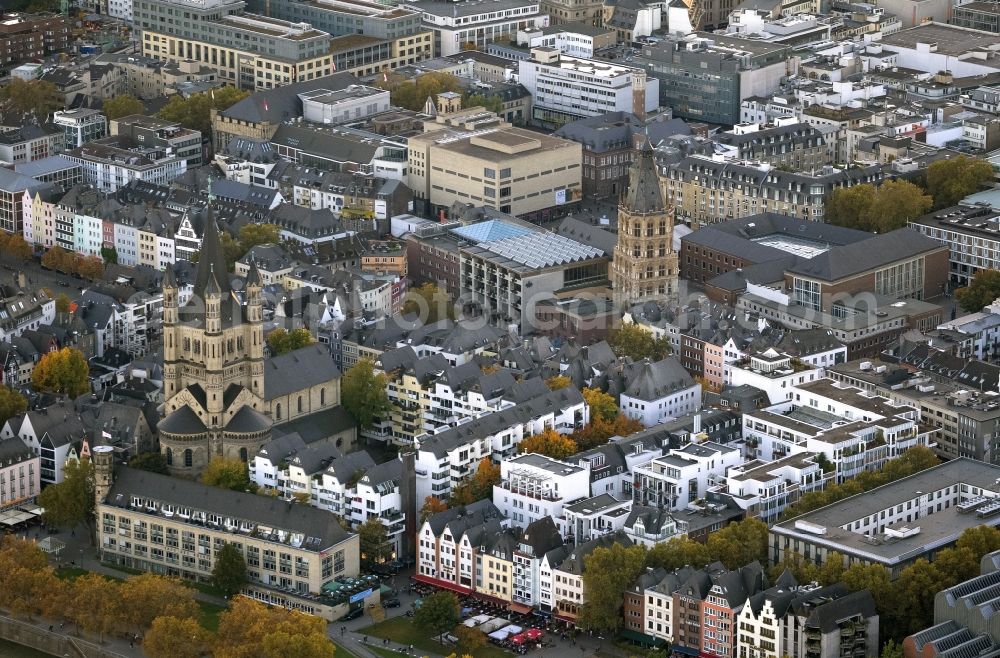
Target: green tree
[(980, 539), (363, 393), (12, 403), (438, 614), (413, 94), (637, 342), (491, 103), (227, 474), (109, 255), (740, 543), (122, 106), (252, 235), (885, 208), (154, 462), (65, 372), (873, 578), (549, 443), (951, 180), (913, 595), (805, 571), (71, 501), (677, 553), (430, 302), (63, 303), (479, 486), (892, 649), (195, 112), (602, 406), (281, 341), (229, 573), (607, 573), (374, 543), (557, 382), (983, 290), (31, 98)]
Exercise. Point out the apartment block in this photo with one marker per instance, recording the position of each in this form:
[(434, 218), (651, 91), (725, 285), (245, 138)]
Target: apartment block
[(566, 88), (457, 26), (31, 36), (155, 523), (171, 137)]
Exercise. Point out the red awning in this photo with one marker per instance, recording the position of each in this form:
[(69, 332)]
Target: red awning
[(519, 608), (489, 599), (443, 584)]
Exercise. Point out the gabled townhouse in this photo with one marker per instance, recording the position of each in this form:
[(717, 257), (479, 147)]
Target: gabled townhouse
[(445, 556), (22, 310), (568, 591), (352, 486), (539, 538), (634, 605), (450, 456), (656, 392), (20, 469), (53, 433), (611, 465), (650, 526)]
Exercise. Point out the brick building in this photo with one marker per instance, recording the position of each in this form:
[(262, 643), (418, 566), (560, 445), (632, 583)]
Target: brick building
[(31, 36)]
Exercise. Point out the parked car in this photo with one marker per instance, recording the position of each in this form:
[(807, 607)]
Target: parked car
[(390, 603)]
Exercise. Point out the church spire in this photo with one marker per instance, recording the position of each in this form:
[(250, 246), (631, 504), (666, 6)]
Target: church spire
[(644, 195), (212, 257)]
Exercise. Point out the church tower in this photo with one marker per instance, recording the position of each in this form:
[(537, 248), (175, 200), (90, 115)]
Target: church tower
[(645, 263), (213, 364)]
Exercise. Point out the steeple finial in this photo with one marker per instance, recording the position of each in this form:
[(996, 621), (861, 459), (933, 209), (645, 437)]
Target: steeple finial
[(211, 197)]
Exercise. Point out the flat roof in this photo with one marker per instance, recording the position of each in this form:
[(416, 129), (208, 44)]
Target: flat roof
[(937, 529), (949, 39), (982, 7), (545, 463)]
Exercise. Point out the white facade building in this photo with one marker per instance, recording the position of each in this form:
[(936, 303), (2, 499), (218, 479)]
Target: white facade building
[(566, 88), (535, 486), (684, 475), (775, 374), (479, 23)]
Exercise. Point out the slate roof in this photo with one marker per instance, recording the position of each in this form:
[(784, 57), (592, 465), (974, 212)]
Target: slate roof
[(283, 103), (644, 195), (247, 421), (298, 370), (650, 381), (442, 443), (318, 426), (849, 260), (183, 421), (588, 234), (260, 510)]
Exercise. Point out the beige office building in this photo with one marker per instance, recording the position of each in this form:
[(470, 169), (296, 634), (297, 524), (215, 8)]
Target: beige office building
[(472, 156), (177, 527)]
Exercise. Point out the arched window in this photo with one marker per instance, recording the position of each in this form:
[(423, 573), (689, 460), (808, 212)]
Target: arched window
[(189, 457), (170, 457), (243, 455), (322, 396), (298, 404), (277, 411)]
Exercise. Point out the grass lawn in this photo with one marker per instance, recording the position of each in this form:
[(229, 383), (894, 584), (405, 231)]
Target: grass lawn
[(402, 631), (70, 573), (210, 616)]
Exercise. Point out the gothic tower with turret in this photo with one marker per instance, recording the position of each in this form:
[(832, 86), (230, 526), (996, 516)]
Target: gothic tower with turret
[(645, 263), (213, 365)]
